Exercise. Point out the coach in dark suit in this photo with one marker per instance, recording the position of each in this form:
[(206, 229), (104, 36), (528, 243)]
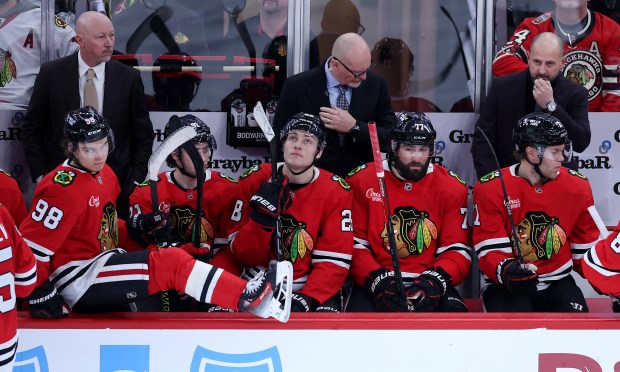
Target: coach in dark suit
[(318, 91), (540, 88), (59, 88)]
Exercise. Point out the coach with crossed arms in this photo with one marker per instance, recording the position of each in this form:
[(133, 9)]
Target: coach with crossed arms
[(347, 95)]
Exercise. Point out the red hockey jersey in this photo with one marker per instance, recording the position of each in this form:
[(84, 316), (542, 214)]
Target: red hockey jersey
[(316, 231), (591, 56), (553, 225), (18, 274), (601, 265), (12, 198), (73, 217), (430, 217)]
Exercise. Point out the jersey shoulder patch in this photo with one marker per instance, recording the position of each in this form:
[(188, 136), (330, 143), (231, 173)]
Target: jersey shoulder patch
[(577, 174), (458, 178), (356, 170), (541, 18), (341, 182), (227, 178), (489, 177), (64, 177), (249, 171)]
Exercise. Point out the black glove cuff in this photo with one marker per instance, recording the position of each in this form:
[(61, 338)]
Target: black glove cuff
[(301, 302), (375, 277), (262, 219), (438, 276)]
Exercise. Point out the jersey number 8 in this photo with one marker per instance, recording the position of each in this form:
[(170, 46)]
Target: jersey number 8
[(50, 216)]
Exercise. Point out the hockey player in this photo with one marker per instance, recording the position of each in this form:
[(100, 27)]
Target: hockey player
[(18, 274), (12, 198), (20, 47), (313, 207), (429, 216), (75, 234), (601, 267), (549, 204), (177, 195), (591, 50)]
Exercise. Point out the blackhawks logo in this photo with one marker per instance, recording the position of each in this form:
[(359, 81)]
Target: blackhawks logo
[(64, 177), (414, 231), (296, 241), (489, 177), (8, 71), (585, 69), (183, 224), (540, 236), (108, 228)]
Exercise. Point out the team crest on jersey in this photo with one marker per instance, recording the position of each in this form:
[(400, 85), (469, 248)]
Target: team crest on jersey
[(64, 177), (341, 182), (458, 178), (164, 207), (61, 23), (183, 224), (356, 170), (296, 241), (489, 177), (414, 231), (540, 236), (8, 71), (573, 172), (108, 228), (181, 38), (541, 18), (586, 69), (228, 178), (249, 171)]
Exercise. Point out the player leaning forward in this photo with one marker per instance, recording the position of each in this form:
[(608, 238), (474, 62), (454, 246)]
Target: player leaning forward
[(554, 228), (74, 232), (314, 210), (429, 205)]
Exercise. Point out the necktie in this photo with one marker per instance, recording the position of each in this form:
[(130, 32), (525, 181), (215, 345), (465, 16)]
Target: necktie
[(90, 93), (342, 104)]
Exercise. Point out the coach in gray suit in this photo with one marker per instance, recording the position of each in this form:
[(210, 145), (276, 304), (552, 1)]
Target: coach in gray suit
[(318, 91), (59, 88), (539, 88)]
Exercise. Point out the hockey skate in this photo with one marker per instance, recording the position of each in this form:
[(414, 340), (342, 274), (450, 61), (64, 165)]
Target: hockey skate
[(268, 294)]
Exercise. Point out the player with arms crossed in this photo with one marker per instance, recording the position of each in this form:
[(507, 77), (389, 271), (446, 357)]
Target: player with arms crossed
[(314, 210), (74, 232), (18, 275), (177, 194), (429, 215), (554, 228)]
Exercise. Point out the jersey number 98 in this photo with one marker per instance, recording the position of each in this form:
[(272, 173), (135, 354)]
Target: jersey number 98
[(50, 216)]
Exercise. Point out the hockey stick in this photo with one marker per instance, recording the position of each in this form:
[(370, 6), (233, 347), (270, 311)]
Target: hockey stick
[(263, 123), (506, 201), (376, 153), (196, 159), (598, 221), (458, 36), (144, 29)]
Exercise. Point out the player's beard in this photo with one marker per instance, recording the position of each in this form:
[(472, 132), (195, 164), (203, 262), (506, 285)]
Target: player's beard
[(407, 173)]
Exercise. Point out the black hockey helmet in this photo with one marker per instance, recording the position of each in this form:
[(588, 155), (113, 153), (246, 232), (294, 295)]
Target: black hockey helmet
[(539, 129), (175, 89), (202, 129), (307, 123), (413, 128), (87, 125)]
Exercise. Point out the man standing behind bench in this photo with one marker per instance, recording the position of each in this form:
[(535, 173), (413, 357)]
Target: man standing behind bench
[(118, 93)]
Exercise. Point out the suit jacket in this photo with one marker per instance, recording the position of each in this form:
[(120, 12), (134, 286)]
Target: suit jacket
[(56, 92), (507, 103), (307, 92)]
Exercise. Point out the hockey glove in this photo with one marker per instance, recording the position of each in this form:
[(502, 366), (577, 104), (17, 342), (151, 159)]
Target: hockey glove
[(271, 199), (428, 289), (44, 302), (518, 281), (383, 286), (158, 224), (300, 303)]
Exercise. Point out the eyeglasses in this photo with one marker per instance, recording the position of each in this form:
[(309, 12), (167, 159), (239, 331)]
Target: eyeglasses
[(356, 75)]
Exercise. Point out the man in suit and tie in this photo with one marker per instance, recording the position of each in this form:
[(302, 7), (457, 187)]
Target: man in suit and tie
[(539, 88), (90, 78), (346, 95)]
